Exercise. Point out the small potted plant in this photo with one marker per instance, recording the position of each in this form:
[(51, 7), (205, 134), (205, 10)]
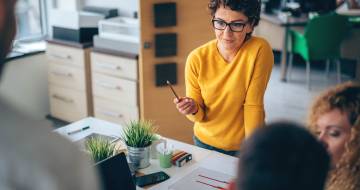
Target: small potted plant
[(138, 136), (100, 148)]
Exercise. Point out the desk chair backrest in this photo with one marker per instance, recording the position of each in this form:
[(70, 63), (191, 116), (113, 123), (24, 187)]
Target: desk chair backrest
[(324, 35)]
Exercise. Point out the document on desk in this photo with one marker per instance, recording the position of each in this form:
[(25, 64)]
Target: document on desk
[(202, 179), (221, 163)]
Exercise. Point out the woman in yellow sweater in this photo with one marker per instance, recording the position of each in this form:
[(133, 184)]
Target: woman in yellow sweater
[(226, 78)]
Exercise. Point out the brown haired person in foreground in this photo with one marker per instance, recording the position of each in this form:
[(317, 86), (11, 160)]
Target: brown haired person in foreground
[(282, 156), (334, 118), (32, 157)]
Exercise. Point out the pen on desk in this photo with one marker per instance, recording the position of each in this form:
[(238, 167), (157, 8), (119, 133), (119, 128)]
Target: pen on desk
[(173, 91), (78, 130)]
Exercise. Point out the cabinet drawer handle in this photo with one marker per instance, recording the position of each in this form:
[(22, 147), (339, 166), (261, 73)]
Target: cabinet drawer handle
[(61, 73), (62, 98), (64, 57), (108, 85), (112, 114), (108, 66)]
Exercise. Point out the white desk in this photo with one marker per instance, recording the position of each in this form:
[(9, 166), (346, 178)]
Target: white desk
[(201, 157)]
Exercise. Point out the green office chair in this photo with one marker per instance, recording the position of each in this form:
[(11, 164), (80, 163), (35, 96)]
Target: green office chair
[(321, 41)]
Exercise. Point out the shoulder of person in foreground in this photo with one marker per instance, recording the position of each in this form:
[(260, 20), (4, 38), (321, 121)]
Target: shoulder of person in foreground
[(33, 156)]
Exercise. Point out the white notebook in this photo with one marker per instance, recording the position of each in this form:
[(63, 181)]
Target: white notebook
[(202, 179)]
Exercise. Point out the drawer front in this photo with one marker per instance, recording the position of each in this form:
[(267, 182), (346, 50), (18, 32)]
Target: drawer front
[(115, 112), (114, 66), (66, 76), (115, 89), (67, 104), (65, 55)]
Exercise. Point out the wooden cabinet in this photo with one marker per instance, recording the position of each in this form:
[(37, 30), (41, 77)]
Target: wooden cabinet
[(69, 81), (115, 86), (66, 103), (123, 86), (193, 29)]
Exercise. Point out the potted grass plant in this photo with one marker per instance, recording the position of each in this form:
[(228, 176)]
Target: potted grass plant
[(138, 136), (100, 148)]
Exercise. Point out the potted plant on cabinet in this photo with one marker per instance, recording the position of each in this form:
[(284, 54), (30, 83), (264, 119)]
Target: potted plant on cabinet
[(100, 148), (138, 136)]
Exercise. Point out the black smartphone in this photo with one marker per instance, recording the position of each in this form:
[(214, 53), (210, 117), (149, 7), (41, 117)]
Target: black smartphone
[(153, 178)]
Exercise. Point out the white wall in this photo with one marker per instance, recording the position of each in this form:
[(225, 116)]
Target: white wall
[(24, 84)]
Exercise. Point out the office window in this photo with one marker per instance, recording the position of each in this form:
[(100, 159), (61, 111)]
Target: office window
[(31, 19)]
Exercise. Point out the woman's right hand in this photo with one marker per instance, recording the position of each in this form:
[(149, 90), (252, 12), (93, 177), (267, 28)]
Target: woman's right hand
[(186, 105)]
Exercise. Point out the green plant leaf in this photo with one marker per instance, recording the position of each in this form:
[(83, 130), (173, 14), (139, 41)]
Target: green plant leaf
[(100, 148), (139, 133)]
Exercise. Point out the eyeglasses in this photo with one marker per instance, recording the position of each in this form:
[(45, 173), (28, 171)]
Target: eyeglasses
[(234, 26)]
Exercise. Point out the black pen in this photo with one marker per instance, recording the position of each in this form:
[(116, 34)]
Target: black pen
[(78, 130), (172, 89)]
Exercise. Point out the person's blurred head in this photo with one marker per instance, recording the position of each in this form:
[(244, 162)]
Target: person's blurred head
[(282, 156), (242, 15), (333, 117), (7, 28)]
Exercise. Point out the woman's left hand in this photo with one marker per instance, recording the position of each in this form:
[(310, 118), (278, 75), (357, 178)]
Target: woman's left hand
[(186, 105)]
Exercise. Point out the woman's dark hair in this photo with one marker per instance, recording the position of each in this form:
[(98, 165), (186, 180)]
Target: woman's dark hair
[(282, 156), (251, 8)]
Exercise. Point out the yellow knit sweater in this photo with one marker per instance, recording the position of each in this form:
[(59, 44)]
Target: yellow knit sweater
[(229, 95)]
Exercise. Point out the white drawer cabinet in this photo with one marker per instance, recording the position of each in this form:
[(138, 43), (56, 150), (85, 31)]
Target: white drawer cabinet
[(67, 104), (114, 112), (69, 78), (66, 55), (114, 66), (66, 76), (115, 87)]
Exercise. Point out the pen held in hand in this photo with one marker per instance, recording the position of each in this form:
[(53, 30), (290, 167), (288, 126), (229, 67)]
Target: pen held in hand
[(172, 89)]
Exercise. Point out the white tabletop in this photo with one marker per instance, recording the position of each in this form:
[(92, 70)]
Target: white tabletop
[(201, 157)]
